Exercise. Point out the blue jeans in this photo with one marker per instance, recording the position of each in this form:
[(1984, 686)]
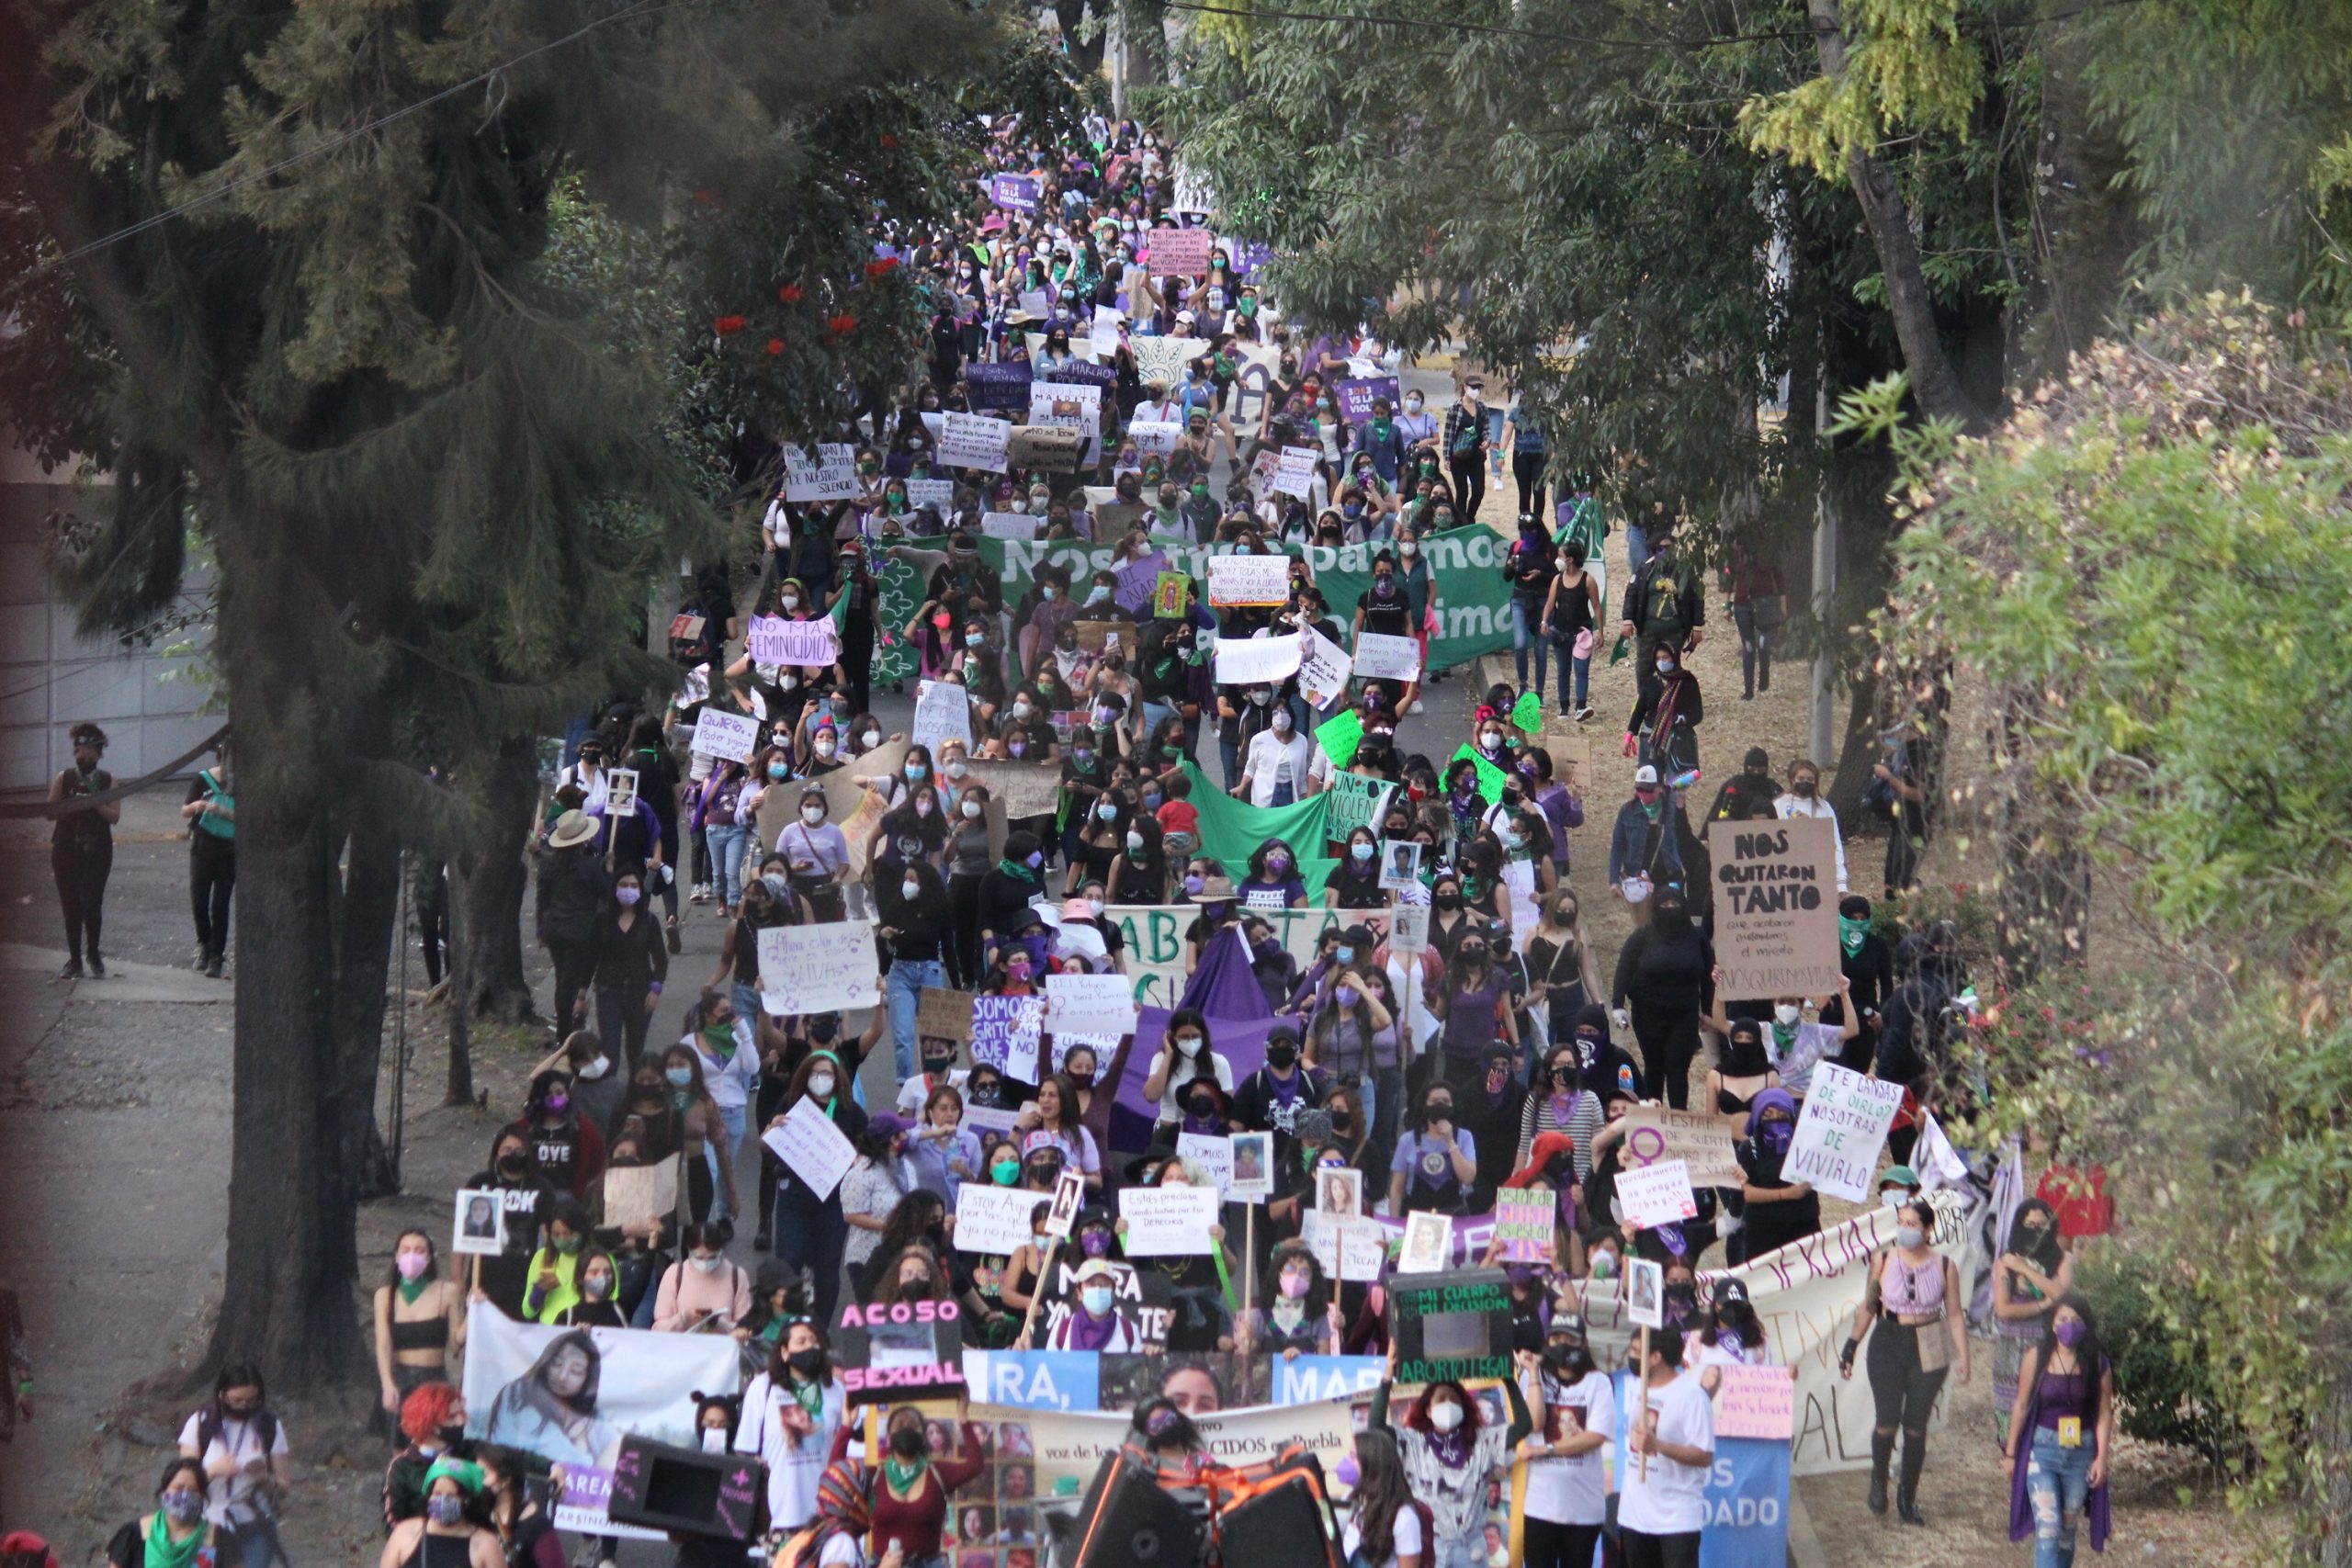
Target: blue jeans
[(727, 845), (1465, 1551), (1523, 632), (1154, 715), (731, 1117), (1230, 752), (1570, 665), (908, 977), (2057, 1483)]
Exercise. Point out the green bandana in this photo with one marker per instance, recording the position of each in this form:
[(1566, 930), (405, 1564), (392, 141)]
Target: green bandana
[(164, 1552), (902, 1476), (720, 1038), (1019, 871), (1850, 934), (412, 1289), (1380, 427)]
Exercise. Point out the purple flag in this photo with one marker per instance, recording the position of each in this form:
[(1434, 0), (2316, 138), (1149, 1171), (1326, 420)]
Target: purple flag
[(1138, 581)]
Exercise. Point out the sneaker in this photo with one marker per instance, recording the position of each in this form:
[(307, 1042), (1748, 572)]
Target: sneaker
[(73, 970), (1584, 714), (98, 967), (701, 893), (672, 926), (1417, 706), (759, 1242), (212, 969)]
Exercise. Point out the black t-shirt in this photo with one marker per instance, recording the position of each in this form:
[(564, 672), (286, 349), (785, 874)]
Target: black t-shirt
[(1390, 616)]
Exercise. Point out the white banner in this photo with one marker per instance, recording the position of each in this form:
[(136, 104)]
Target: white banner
[(1167, 1221), (832, 476), (974, 441), (1387, 657), (993, 1221), (1840, 1132), (1073, 1444), (1248, 661), (821, 968), (1154, 437), (571, 1396)]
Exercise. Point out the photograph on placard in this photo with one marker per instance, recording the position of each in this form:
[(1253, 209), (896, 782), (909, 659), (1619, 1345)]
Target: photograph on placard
[(1253, 1165), (478, 1223), (1646, 1292), (1400, 864), (1339, 1192), (1428, 1243)]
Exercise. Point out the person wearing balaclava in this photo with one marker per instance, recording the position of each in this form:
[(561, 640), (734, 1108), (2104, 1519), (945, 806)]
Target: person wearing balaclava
[(1665, 981), (1776, 1211), (1749, 795)]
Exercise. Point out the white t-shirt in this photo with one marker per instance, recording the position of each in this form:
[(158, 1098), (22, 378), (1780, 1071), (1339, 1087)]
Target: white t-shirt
[(1573, 1490), (1172, 1108), (1672, 1498), (794, 1469), (1406, 1538), (234, 1500), (1812, 1042)]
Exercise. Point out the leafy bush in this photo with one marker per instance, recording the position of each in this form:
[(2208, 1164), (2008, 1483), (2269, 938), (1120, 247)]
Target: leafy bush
[(2164, 1387)]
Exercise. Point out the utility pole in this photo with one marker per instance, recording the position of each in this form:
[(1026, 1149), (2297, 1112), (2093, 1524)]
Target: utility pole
[(1822, 737)]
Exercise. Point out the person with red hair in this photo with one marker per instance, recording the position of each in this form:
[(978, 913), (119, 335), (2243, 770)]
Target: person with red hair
[(433, 1419)]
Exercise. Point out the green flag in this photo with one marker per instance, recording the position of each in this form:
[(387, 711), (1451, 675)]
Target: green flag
[(1527, 714), (1231, 830), (1340, 735), (1490, 777)]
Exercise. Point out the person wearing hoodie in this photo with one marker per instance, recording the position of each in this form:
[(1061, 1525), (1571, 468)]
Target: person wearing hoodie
[(1750, 794), (1775, 1210)]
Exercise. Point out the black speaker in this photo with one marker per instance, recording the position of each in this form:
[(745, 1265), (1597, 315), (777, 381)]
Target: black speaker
[(686, 1490), (1129, 1522), (1283, 1525)]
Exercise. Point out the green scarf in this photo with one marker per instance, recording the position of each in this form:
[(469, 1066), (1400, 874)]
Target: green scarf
[(412, 1289), (1380, 427), (903, 1476), (720, 1038), (810, 1395), (1017, 870), (1850, 934), (163, 1552)]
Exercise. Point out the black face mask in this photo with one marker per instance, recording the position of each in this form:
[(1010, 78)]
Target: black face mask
[(808, 1363), (1282, 1058), (907, 1442), (514, 1165)]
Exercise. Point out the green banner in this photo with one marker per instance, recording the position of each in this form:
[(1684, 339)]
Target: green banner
[(1473, 600), (1357, 802)]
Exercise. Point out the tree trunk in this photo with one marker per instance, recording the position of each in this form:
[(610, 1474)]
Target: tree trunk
[(364, 936), (1934, 380), (2334, 1503), (285, 1304), (1085, 54), (1856, 753), (488, 880)]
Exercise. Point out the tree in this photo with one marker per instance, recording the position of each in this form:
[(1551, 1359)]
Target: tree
[(283, 272), (2157, 550)]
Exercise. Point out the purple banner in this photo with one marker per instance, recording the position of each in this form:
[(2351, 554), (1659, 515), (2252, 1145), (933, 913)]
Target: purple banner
[(1018, 192), (1138, 579), (993, 387), (1082, 372), (1248, 257), (1355, 396), (1242, 1044)]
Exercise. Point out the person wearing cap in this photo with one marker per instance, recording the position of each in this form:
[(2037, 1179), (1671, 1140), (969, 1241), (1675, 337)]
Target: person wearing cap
[(1897, 1185), (1567, 1490), (1732, 1337), (1868, 965), (81, 849), (574, 893), (454, 1532), (1094, 1321), (1645, 850), (1271, 1098)]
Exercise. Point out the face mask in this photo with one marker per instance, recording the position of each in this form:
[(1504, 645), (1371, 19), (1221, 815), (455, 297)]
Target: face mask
[(1192, 885), (1604, 1266), (186, 1507), (2071, 1333), (1190, 1045), (1004, 1173), (1282, 1058), (1296, 1284), (444, 1510), (812, 815), (908, 888), (1910, 1236), (821, 1085), (514, 1165), (1278, 863), (775, 883), (826, 745), (1666, 666), (679, 1077), (907, 1442), (808, 1363), (568, 1245), (792, 601), (971, 809), (1135, 843), (1282, 719), (1108, 811), (1097, 1300), (1786, 1014), (775, 770), (707, 1265), (974, 640), (411, 1265), (595, 1287), (1445, 1417), (1409, 549), (1261, 698), (917, 772)]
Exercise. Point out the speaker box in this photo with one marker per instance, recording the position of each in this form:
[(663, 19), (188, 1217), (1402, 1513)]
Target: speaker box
[(1282, 1525), (1129, 1522), (685, 1490)]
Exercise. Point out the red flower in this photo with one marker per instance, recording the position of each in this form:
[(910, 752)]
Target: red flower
[(775, 345), (843, 325), (722, 325), (888, 140), (708, 196), (880, 267), (789, 294)]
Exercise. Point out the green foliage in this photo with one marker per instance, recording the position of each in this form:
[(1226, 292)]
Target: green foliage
[(2165, 1388), (1908, 66)]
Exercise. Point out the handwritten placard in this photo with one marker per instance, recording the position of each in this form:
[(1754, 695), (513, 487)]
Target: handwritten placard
[(1050, 447), (943, 1014), (1700, 1139), (993, 1221), (1167, 1222), (1657, 1194), (1840, 1132), (1383, 658), (1178, 251), (1255, 661), (811, 1147), (1213, 1154), (1776, 907), (977, 440), (1090, 1004), (1323, 670), (942, 713), (1756, 1401), (729, 735), (820, 968), (1243, 580), (1295, 474), (1004, 1034), (1524, 1218), (774, 640), (831, 475)]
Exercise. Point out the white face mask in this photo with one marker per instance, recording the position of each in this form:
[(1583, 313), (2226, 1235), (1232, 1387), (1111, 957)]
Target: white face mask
[(707, 1265), (792, 601), (1445, 1417), (910, 888), (821, 1085), (971, 810), (1190, 1045), (1787, 1013), (714, 1439), (597, 1068), (812, 815)]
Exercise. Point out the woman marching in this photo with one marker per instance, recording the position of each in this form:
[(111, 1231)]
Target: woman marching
[(81, 849), (1923, 1330), (2063, 1423)]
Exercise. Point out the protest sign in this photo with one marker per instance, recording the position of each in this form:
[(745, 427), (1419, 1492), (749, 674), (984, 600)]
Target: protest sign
[(635, 1195), (1400, 864), (780, 641), (1756, 1401), (1004, 1034), (1134, 584), (1646, 1292), (1069, 1447), (620, 793), (1655, 1194), (831, 475), (942, 713), (1077, 405), (898, 1351), (1776, 907), (643, 1386), (1355, 395), (1257, 365), (1154, 438), (1069, 1196), (1093, 637), (992, 1220), (1340, 735), (1051, 447), (943, 1014), (1036, 304), (1524, 1220), (976, 440), (1162, 359), (1254, 661), (1380, 657), (478, 1225), (1700, 1139), (1169, 590), (1027, 789), (1172, 253), (1840, 1132), (1009, 525), (1357, 802), (1323, 668), (1409, 929), (1245, 579), (1165, 1222), (811, 1147), (732, 735), (1453, 1326), (820, 968), (994, 386), (1088, 1004), (1253, 1167), (1428, 1244), (1213, 1154), (1079, 373), (1106, 333), (1295, 474), (938, 494), (1491, 778), (1017, 193)]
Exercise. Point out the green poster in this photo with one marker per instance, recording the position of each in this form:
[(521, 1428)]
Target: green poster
[(1340, 735), (1490, 777), (1527, 714), (1356, 802)]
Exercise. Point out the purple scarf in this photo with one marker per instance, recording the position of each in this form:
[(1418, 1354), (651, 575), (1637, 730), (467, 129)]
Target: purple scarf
[(1088, 1333)]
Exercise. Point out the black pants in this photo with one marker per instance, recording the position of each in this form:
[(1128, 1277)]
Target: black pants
[(575, 960), (1660, 1550), (1559, 1546), (81, 871), (433, 923), (1527, 468), (1668, 1045), (1469, 485), (621, 1016), (1903, 853), (962, 949), (1902, 1392), (211, 877)]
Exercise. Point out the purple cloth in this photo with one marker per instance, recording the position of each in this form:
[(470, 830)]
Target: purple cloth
[(2098, 1505), (1138, 579)]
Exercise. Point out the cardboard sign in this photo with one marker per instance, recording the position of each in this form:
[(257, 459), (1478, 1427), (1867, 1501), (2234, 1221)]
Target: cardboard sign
[(993, 1220), (1776, 907), (1167, 1222), (942, 713), (977, 440), (1295, 474), (901, 1351), (477, 1223), (1700, 1139), (1356, 802), (1655, 1194), (1170, 592), (1026, 789), (937, 494), (729, 735), (637, 1195), (1093, 637), (1090, 1004), (1214, 1155), (1254, 661), (1380, 657), (820, 968), (1756, 1401), (620, 793), (686, 628), (1840, 1131), (1004, 1034), (1173, 252), (1154, 438), (944, 1015), (1323, 670), (831, 475), (1075, 405), (1524, 1221), (774, 640), (1451, 1326), (1051, 447), (1245, 579), (995, 387), (1009, 525), (811, 1147)]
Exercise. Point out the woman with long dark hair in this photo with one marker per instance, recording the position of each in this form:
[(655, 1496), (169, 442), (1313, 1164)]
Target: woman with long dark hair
[(791, 1414), (1449, 1451), (2062, 1423), (176, 1532), (2034, 1271), (1384, 1525)]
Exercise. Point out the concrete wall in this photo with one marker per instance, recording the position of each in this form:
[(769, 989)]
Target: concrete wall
[(53, 678)]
